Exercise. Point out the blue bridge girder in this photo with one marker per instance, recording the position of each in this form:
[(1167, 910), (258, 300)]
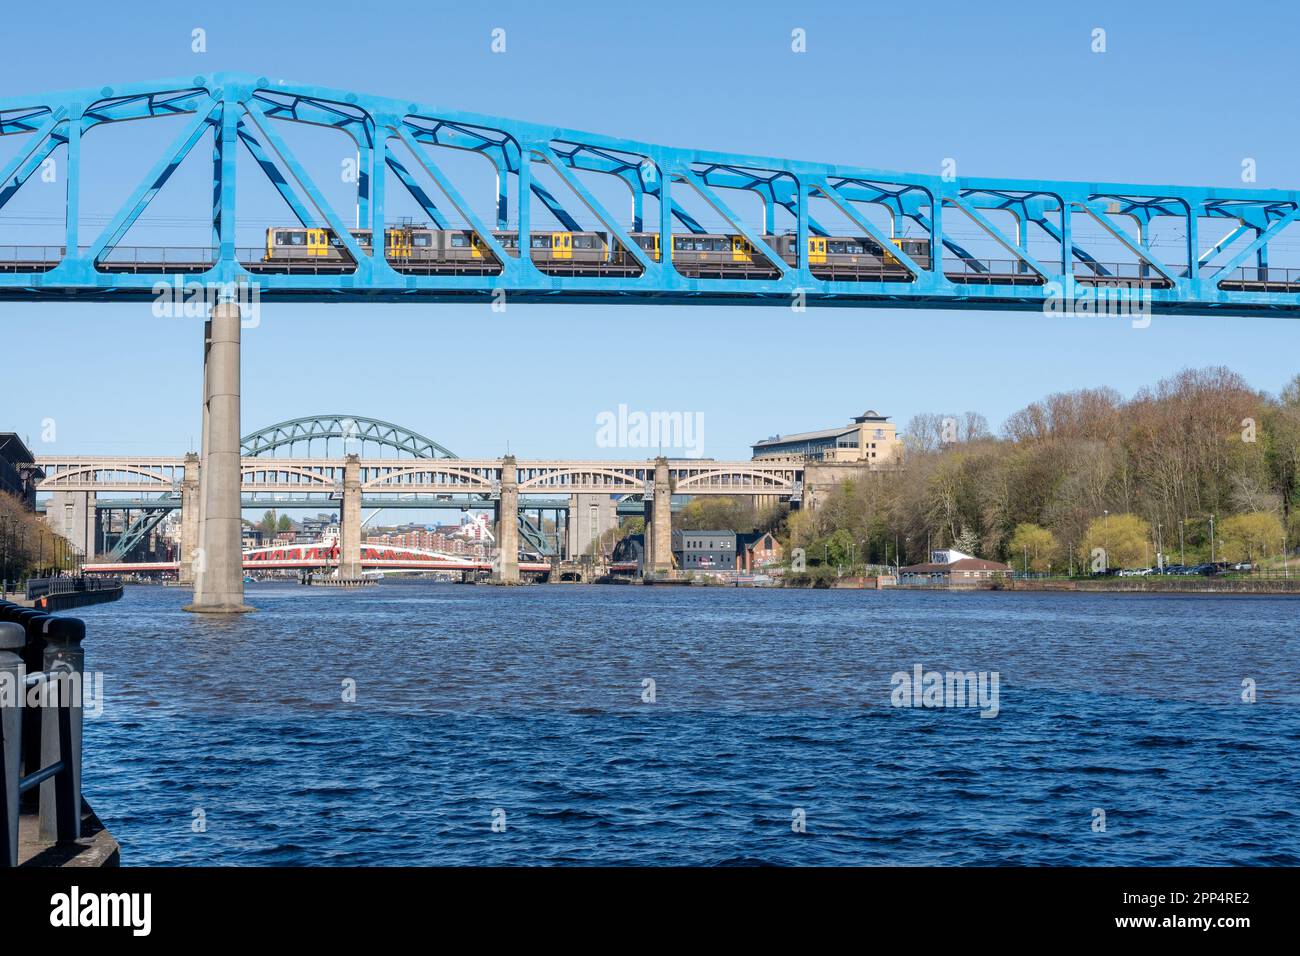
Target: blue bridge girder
[(1220, 275)]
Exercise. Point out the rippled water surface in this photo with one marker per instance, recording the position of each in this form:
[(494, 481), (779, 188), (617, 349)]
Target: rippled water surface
[(472, 700)]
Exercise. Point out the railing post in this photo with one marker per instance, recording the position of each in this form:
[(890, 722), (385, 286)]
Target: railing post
[(12, 692), (65, 662), (33, 655)]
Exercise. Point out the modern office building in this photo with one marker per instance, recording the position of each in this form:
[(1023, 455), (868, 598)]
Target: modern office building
[(870, 438)]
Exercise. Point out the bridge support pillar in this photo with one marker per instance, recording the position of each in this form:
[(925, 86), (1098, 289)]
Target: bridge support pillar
[(72, 514), (189, 518), (506, 569), (350, 521), (590, 516), (219, 563), (659, 525)]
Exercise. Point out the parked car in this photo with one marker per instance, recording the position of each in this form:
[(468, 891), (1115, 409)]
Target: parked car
[(1243, 566)]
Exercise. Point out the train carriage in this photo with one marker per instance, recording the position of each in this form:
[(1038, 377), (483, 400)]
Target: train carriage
[(419, 249)]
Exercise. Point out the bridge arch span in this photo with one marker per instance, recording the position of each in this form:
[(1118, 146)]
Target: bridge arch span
[(271, 474), (455, 478), (348, 429), (586, 477), (83, 477)]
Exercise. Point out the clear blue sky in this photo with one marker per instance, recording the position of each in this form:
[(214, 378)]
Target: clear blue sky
[(1185, 91)]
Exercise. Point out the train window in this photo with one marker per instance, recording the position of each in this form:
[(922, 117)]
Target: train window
[(541, 242), (422, 239), (297, 238), (584, 242), (459, 241)]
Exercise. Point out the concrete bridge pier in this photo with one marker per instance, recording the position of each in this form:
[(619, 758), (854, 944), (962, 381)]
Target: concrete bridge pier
[(506, 525), (350, 521), (659, 523), (219, 563), (72, 514), (189, 518)]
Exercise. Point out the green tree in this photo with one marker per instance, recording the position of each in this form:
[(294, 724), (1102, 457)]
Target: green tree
[(1123, 538), (1033, 545), (839, 548), (284, 524), (1249, 536)]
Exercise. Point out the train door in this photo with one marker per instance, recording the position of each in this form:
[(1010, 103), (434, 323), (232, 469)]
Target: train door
[(399, 244), (650, 244), (318, 243), (890, 260), (816, 251), (561, 245), (741, 250)]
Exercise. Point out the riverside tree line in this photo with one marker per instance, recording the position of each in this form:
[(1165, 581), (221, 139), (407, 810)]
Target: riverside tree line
[(28, 548), (1076, 479)]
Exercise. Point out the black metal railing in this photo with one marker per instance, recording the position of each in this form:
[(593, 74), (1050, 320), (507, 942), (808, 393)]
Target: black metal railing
[(43, 587), (42, 667)]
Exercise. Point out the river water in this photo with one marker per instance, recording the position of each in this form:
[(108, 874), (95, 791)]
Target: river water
[(417, 723)]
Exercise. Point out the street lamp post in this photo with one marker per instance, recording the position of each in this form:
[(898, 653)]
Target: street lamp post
[(1211, 538), (5, 521), (1105, 540)]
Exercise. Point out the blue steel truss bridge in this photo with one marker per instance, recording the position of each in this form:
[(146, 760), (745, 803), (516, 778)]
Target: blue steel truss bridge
[(564, 215)]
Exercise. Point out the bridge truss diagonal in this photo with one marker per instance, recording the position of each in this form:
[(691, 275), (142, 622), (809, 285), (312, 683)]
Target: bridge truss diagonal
[(1050, 239)]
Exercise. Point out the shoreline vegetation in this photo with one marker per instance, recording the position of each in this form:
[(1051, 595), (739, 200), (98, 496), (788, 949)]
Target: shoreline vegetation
[(1198, 469), (1099, 585)]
